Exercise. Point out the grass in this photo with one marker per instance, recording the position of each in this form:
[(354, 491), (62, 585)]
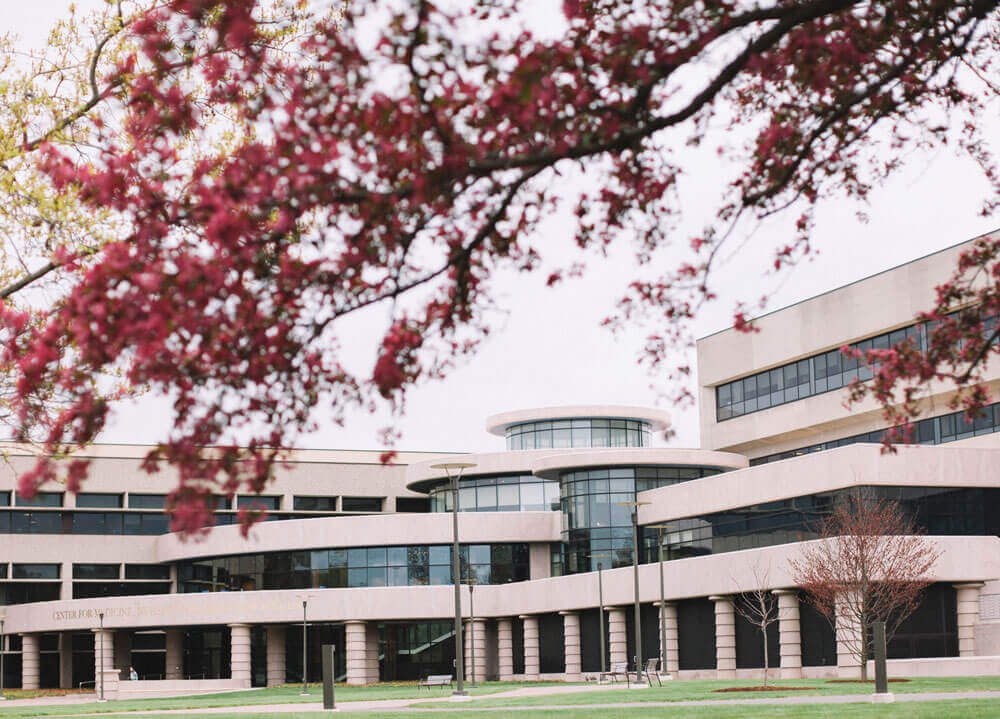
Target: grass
[(285, 694), (692, 690), (960, 709), (541, 707)]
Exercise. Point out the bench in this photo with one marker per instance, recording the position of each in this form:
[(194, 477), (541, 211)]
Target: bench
[(619, 669), (650, 670), (437, 680)]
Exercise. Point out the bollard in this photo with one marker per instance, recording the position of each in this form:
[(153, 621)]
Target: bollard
[(881, 680), (328, 669)]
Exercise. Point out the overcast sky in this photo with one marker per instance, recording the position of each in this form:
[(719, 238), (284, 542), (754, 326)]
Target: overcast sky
[(550, 349)]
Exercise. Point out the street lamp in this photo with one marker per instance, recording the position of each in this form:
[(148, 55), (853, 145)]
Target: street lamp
[(634, 506), (663, 624), (456, 574), (2, 641), (100, 615), (472, 634), (600, 615), (305, 657)]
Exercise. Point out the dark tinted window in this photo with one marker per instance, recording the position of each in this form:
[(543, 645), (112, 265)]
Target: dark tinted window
[(362, 504), (271, 503), (95, 571), (36, 571), (41, 499), (87, 500), (147, 571), (147, 501), (315, 504)]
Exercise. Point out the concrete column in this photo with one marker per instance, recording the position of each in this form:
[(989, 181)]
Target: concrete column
[(789, 633), (967, 608), (530, 646), (108, 640), (571, 645), (66, 581), (239, 653), (30, 661), (275, 656), (65, 660), (505, 649), (175, 654), (671, 653), (474, 633), (356, 649), (617, 641), (371, 653), (725, 637), (540, 561), (848, 636)]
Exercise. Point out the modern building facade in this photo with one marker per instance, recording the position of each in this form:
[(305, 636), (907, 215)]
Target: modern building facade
[(357, 554)]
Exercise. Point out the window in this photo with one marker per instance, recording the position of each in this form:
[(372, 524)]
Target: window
[(86, 500), (4, 499), (96, 571), (269, 503), (362, 504), (41, 499), (147, 501), (147, 571), (413, 504), (36, 571), (315, 504)]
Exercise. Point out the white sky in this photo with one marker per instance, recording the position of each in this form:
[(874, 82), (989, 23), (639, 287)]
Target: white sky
[(550, 348)]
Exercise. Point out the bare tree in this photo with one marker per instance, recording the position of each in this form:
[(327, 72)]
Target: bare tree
[(871, 565), (759, 608)]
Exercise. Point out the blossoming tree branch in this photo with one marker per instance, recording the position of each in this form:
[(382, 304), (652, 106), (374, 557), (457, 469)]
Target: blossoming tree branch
[(229, 179)]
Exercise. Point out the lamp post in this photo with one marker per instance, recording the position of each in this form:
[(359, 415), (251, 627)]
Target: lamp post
[(634, 506), (305, 656), (600, 610), (456, 574), (100, 616), (472, 635), (663, 624), (2, 646)]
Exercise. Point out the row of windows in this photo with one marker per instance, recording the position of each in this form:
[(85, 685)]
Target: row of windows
[(505, 493), (112, 571), (933, 430), (937, 510), (814, 375), (356, 567), (101, 500), (566, 433), (30, 571)]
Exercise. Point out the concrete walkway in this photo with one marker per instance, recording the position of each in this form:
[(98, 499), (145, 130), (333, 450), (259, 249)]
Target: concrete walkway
[(412, 705)]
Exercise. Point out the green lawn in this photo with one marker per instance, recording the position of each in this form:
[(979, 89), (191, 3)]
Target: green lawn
[(288, 694), (689, 690), (962, 709)]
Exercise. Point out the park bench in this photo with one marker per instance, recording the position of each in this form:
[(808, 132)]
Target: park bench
[(650, 671), (437, 680), (619, 669)]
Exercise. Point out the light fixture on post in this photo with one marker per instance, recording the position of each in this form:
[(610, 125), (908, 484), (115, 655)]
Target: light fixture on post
[(100, 616), (454, 471), (472, 633), (305, 658), (634, 506), (600, 613), (663, 612), (2, 645)]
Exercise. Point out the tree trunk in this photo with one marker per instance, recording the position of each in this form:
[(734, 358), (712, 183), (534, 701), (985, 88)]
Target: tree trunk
[(763, 631)]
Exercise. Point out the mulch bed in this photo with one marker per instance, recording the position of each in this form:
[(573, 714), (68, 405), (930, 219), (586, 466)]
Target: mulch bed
[(862, 681), (763, 689)]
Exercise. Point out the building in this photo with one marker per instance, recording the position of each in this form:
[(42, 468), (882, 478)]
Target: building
[(362, 549)]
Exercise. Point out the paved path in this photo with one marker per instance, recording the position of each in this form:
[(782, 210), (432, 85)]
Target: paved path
[(412, 705)]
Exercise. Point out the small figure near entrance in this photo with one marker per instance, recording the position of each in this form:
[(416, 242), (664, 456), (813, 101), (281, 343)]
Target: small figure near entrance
[(133, 675)]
